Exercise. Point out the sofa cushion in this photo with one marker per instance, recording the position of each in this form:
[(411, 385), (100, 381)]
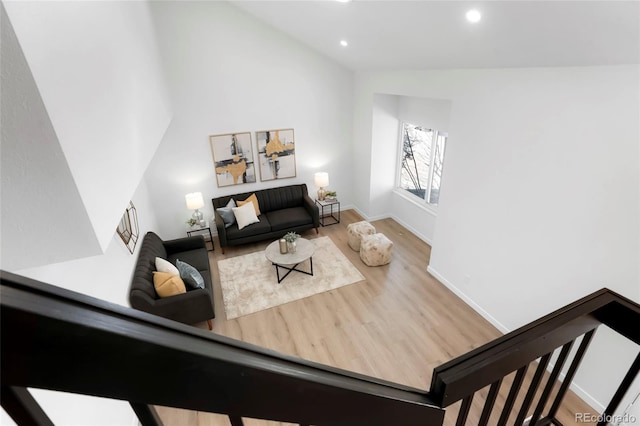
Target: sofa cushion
[(197, 258), (190, 275), (257, 228), (226, 213), (163, 265), (289, 218), (285, 197), (245, 215), (254, 200), (168, 285)]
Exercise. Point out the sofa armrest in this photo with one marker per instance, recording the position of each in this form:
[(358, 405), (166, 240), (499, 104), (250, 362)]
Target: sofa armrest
[(185, 244), (313, 210), (222, 231)]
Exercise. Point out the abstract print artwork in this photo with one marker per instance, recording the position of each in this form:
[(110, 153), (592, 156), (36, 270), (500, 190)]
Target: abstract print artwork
[(276, 154), (233, 158)]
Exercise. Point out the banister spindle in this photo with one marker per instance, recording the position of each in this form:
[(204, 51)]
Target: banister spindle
[(622, 389), (533, 387), (568, 378), (552, 380), (491, 400), (236, 420), (513, 393), (464, 410)]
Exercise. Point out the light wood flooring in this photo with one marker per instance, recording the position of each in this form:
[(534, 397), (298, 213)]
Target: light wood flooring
[(396, 325)]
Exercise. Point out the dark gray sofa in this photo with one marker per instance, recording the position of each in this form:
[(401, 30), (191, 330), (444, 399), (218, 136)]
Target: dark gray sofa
[(196, 305), (283, 209)]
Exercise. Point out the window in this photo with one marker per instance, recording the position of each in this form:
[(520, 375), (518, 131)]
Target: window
[(421, 161)]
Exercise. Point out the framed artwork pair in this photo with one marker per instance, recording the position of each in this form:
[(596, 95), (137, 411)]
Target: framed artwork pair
[(234, 161)]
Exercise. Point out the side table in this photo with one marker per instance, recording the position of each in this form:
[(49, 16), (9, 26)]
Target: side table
[(199, 228), (331, 215)]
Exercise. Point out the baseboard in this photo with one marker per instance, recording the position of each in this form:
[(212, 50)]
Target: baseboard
[(367, 217), (586, 397), (497, 324), (413, 230)]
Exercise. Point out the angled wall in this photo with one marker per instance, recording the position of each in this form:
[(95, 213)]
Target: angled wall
[(43, 218), (97, 69)]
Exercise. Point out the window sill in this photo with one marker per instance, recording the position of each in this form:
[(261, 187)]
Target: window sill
[(417, 202)]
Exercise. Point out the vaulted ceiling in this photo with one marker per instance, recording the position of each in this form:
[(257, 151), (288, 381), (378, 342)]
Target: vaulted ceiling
[(421, 34)]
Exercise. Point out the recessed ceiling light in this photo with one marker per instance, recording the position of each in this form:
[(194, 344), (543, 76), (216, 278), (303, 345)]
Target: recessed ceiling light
[(344, 43), (343, 1), (473, 16)]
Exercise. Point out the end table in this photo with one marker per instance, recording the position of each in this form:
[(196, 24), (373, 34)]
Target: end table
[(331, 215), (199, 228)]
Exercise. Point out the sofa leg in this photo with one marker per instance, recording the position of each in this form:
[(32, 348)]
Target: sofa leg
[(222, 248), (210, 324), (317, 231)]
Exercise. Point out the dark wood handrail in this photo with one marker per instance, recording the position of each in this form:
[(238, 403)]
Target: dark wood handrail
[(464, 375), (53, 338)]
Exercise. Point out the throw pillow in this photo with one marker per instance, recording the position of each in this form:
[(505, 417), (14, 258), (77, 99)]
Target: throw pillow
[(253, 199), (227, 214), (190, 275), (163, 265), (245, 215), (168, 285)]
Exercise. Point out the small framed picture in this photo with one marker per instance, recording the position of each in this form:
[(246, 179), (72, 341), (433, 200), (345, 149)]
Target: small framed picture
[(233, 158), (276, 154)]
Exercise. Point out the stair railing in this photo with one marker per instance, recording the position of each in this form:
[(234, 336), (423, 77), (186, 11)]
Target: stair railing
[(53, 338), (488, 366), (56, 339)]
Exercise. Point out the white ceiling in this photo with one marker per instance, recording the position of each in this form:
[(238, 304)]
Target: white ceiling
[(419, 34)]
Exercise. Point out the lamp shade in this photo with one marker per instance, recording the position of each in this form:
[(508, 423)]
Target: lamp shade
[(194, 200), (321, 179)]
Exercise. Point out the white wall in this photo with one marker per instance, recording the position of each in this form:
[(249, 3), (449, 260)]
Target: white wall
[(106, 276), (540, 198), (97, 69), (384, 141), (43, 218), (231, 73)]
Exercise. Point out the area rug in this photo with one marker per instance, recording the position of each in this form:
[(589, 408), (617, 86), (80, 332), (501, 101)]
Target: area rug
[(249, 282)]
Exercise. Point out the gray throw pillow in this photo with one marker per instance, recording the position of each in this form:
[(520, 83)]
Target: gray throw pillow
[(227, 214), (190, 275)]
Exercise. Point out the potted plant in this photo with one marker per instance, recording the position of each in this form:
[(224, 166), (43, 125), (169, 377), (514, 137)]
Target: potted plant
[(191, 222), (290, 238)]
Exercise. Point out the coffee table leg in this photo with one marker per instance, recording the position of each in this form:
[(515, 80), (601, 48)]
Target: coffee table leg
[(290, 270)]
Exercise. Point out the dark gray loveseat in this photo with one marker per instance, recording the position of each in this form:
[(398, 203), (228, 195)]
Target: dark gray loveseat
[(283, 209), (196, 305)]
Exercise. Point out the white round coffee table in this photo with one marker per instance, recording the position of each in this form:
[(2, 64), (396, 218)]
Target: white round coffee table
[(303, 252)]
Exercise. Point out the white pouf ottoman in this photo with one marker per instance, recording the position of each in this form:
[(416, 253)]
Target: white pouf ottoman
[(375, 250), (356, 230)]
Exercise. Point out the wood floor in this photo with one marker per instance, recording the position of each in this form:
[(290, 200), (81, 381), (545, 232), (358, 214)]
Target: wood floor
[(396, 325)]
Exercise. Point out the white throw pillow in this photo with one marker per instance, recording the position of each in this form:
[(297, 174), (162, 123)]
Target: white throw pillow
[(245, 215), (163, 265)]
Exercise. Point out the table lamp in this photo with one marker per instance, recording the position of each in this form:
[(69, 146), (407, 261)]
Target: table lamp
[(195, 202), (321, 180)]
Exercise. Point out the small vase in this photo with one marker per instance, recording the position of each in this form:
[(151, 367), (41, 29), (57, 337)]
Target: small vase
[(291, 246)]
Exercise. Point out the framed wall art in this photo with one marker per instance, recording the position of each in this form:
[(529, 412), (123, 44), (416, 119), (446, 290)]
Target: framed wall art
[(233, 158), (276, 154)]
